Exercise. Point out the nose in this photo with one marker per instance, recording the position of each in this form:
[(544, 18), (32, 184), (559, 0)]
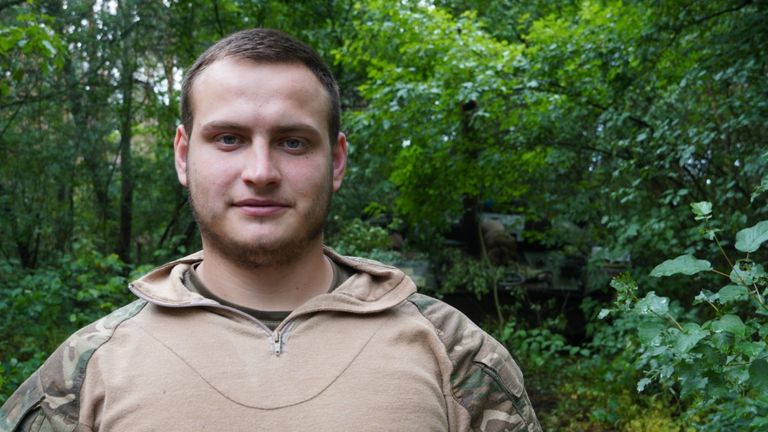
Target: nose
[(260, 167)]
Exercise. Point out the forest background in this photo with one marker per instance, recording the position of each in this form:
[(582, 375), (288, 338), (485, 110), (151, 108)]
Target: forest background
[(624, 133)]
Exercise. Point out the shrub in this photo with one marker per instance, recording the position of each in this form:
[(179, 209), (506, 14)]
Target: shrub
[(40, 308), (713, 354)]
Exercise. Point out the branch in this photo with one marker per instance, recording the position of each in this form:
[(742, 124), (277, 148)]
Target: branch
[(32, 99), (625, 155), (564, 91), (216, 14), (723, 12), (10, 121), (695, 181), (173, 222)]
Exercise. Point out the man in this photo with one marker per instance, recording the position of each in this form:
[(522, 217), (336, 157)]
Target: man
[(266, 329)]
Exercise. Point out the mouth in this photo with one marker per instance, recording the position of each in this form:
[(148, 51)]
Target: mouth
[(260, 207)]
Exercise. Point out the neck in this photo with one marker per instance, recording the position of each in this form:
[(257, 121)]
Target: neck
[(268, 288)]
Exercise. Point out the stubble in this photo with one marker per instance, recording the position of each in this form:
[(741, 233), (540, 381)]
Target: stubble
[(263, 253)]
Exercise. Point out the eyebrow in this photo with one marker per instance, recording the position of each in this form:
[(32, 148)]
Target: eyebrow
[(217, 126), (223, 125), (295, 127)]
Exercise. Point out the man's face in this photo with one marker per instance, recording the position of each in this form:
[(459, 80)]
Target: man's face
[(258, 164)]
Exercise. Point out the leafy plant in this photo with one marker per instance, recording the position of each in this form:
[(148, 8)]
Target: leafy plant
[(40, 308), (361, 238), (713, 356)]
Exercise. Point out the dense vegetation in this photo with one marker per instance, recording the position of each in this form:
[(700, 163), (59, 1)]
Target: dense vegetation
[(630, 127)]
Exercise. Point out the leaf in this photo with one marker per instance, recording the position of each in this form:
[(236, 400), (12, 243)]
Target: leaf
[(706, 296), (685, 341), (762, 187), (624, 283), (722, 340), (693, 385), (710, 234), (625, 288), (47, 44), (749, 239), (652, 303), (731, 293), (603, 313), (750, 349), (746, 272), (758, 375), (729, 323), (642, 383), (684, 264), (691, 380), (648, 330), (702, 210)]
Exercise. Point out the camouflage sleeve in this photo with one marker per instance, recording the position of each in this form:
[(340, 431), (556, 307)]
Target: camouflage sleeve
[(21, 412), (485, 379), (49, 399)]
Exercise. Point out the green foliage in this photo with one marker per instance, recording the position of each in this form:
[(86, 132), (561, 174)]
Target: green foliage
[(596, 394), (608, 114), (361, 238), (538, 346), (749, 239), (40, 308), (28, 36), (712, 358), (684, 264), (611, 115), (423, 63), (462, 272), (702, 210), (592, 386)]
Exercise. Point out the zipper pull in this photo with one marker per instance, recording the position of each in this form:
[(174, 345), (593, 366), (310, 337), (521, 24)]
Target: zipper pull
[(278, 343)]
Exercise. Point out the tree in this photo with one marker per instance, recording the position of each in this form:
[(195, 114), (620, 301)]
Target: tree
[(605, 114)]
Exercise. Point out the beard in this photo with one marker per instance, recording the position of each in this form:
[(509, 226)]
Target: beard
[(263, 252)]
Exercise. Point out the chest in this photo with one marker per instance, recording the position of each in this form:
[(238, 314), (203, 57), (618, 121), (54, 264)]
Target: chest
[(333, 372)]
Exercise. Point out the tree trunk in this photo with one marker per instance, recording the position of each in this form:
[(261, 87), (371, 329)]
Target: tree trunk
[(126, 134)]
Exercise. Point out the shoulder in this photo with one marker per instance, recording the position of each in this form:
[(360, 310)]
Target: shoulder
[(49, 399), (485, 380), (470, 349)]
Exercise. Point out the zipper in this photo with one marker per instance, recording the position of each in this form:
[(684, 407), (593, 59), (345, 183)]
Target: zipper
[(275, 337), (280, 335), (278, 348)]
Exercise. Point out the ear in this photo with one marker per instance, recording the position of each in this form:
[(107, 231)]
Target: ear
[(339, 155), (180, 152)]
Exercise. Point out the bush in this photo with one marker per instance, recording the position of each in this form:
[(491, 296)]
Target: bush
[(360, 238), (713, 356), (40, 308)]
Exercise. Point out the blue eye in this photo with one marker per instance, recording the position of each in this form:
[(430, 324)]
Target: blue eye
[(228, 139), (293, 143)]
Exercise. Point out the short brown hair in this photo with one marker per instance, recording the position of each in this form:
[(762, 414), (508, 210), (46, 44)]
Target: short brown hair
[(265, 46)]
